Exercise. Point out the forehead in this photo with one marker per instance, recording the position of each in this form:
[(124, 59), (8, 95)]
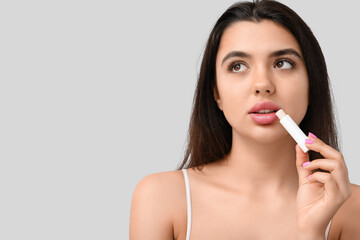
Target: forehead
[(256, 38)]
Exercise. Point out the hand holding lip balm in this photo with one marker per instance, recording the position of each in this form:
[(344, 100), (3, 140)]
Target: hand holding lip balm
[(293, 129)]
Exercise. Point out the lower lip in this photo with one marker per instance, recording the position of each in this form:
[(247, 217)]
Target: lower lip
[(264, 118)]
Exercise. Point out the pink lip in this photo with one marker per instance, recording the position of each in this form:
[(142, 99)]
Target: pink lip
[(264, 118)]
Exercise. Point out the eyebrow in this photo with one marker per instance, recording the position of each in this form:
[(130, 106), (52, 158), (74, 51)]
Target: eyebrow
[(287, 51)]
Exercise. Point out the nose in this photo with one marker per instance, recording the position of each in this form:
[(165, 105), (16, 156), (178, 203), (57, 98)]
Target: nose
[(263, 91), (263, 85)]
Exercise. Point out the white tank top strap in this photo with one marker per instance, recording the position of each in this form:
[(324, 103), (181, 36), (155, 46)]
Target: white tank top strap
[(327, 230), (188, 202)]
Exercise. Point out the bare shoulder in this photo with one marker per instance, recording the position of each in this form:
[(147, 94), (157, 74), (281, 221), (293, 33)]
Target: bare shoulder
[(157, 201), (162, 185), (348, 216)]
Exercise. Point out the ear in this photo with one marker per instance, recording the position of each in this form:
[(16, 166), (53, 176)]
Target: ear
[(217, 97)]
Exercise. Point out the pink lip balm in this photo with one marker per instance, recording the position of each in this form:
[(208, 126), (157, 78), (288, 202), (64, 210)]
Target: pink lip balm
[(293, 129)]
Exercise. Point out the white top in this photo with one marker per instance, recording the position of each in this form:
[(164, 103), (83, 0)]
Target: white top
[(188, 202)]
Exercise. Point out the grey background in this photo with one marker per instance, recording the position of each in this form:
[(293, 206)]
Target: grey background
[(95, 95)]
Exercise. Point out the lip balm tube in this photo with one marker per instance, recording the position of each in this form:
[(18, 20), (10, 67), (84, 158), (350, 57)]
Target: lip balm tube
[(293, 129)]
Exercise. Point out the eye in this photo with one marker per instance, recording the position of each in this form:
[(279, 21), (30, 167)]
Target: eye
[(284, 64), (237, 67)]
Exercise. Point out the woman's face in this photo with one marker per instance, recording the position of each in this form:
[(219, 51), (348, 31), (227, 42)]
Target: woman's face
[(256, 63)]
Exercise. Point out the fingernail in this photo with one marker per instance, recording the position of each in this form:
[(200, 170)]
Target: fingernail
[(305, 164), (309, 141), (309, 176), (312, 135)]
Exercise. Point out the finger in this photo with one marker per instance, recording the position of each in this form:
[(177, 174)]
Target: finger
[(330, 185), (324, 164), (337, 169), (325, 150), (301, 158)]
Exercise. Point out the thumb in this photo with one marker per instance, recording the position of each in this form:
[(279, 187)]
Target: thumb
[(301, 158)]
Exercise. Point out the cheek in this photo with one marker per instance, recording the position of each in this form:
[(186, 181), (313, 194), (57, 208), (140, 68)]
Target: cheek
[(295, 100), (234, 96)]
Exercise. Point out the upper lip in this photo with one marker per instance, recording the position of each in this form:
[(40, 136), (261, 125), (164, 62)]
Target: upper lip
[(263, 106)]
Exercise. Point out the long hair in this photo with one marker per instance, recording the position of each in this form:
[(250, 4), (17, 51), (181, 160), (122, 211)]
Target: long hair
[(210, 135)]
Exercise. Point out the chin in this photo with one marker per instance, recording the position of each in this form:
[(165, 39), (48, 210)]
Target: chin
[(261, 135)]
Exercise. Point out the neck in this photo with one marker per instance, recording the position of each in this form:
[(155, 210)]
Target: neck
[(267, 167)]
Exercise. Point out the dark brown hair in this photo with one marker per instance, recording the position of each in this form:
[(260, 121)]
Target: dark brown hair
[(210, 135)]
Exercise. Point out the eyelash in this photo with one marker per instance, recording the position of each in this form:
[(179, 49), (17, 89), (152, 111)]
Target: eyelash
[(235, 62), (292, 63)]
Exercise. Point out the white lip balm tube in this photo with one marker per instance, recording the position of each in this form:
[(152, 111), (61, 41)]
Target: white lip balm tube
[(293, 129)]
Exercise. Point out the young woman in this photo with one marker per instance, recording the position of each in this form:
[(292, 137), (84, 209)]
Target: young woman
[(245, 177)]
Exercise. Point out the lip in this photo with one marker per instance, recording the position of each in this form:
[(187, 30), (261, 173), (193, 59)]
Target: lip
[(264, 118), (264, 105)]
